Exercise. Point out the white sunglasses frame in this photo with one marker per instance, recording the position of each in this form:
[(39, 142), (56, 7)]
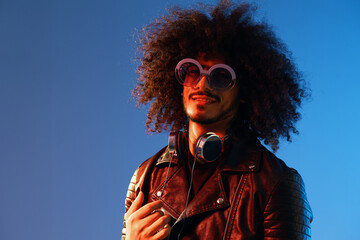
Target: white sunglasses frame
[(206, 72)]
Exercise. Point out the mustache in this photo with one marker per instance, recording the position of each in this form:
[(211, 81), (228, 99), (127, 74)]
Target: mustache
[(205, 93)]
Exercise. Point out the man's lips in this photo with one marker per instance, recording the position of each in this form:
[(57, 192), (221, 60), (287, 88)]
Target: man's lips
[(205, 97)]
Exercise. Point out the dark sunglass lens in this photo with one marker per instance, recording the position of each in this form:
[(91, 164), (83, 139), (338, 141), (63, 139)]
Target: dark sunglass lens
[(220, 78), (189, 74)]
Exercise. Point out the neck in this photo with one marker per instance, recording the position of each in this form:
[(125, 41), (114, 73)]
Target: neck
[(197, 129)]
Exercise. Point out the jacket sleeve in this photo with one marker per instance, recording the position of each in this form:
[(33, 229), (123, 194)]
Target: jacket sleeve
[(136, 184), (130, 197), (287, 214)]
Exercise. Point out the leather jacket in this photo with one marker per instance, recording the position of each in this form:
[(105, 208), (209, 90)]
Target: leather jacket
[(251, 195)]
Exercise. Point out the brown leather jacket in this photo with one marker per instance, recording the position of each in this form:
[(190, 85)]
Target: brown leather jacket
[(252, 195)]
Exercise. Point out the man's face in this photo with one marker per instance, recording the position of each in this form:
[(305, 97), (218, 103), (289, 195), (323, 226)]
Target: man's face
[(204, 105)]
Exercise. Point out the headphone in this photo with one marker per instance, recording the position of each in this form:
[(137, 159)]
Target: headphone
[(207, 147)]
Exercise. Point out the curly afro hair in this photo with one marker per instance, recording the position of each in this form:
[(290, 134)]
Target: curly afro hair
[(271, 88)]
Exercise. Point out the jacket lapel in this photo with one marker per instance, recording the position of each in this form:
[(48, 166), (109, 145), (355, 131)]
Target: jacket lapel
[(172, 191), (212, 195)]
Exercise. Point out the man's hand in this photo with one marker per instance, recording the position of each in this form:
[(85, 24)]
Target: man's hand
[(146, 222)]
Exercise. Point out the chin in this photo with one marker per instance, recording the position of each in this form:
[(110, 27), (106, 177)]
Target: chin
[(204, 119)]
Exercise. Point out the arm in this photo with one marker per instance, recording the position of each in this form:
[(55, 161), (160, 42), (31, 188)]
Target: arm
[(287, 214)]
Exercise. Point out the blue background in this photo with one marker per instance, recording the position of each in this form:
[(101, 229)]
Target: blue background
[(71, 135)]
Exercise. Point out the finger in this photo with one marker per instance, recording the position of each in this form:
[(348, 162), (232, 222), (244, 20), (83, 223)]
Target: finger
[(163, 233), (148, 209), (136, 204), (155, 215), (159, 224)]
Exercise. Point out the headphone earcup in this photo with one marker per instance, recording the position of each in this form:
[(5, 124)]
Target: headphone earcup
[(208, 147)]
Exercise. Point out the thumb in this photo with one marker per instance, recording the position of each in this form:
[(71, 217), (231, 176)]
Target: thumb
[(135, 205)]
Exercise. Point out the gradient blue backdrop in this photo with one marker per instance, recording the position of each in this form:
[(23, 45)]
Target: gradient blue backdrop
[(71, 135)]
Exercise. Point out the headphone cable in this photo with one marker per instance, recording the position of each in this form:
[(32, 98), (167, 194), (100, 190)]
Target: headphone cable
[(167, 175), (187, 198)]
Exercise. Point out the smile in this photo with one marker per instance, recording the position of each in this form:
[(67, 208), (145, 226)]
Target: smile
[(203, 99)]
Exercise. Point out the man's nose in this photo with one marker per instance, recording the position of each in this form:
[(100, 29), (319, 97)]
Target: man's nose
[(203, 83)]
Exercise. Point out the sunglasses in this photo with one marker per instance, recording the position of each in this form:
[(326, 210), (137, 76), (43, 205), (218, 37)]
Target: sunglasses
[(221, 77)]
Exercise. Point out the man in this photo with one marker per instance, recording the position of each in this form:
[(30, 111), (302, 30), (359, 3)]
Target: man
[(221, 82)]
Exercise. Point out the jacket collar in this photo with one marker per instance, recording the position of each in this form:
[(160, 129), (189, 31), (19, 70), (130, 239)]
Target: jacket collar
[(167, 157), (243, 155)]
